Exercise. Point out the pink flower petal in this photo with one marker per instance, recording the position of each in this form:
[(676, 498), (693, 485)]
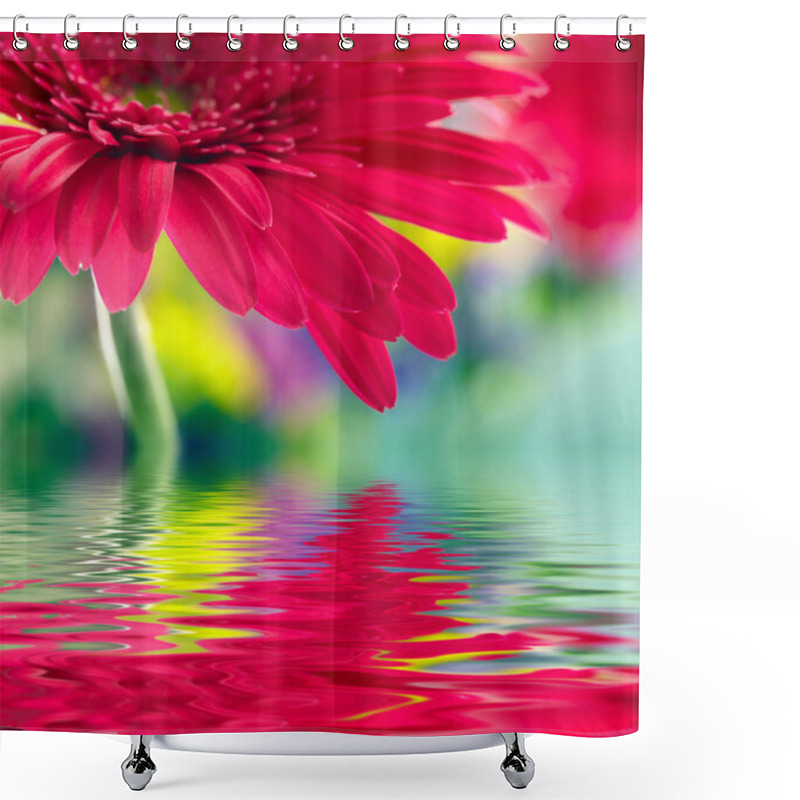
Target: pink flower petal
[(447, 154), (421, 282), (205, 231), (362, 232), (328, 267), (160, 144), (537, 171), (8, 132), (119, 268), (368, 115), (258, 161), (513, 210), (241, 187), (280, 295), (381, 319), (86, 207), (432, 332), (145, 191), (455, 81), (361, 361), (376, 256), (14, 140), (29, 176), (424, 201), (313, 160), (27, 248), (100, 135)]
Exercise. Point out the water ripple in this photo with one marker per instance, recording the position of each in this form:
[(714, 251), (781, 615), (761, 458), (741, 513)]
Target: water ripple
[(278, 604)]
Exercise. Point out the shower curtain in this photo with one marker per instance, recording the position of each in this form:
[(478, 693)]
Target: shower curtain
[(320, 385)]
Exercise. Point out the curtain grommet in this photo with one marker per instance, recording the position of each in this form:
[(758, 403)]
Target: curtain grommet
[(70, 42), (233, 44), (451, 42), (182, 42), (401, 42), (290, 44), (19, 43), (507, 42), (560, 43), (129, 42), (622, 44), (345, 42)]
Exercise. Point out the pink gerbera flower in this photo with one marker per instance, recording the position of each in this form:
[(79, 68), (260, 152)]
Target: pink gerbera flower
[(265, 170), (591, 131)]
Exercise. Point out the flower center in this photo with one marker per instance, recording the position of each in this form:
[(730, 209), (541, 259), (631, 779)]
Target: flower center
[(153, 95)]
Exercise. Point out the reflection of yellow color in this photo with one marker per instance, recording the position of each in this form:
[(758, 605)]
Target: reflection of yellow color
[(411, 700), (421, 664), (203, 352), (447, 251), (201, 537), (609, 675), (445, 636), (6, 120)]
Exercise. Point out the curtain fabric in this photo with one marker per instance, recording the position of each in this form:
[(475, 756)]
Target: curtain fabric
[(320, 386)]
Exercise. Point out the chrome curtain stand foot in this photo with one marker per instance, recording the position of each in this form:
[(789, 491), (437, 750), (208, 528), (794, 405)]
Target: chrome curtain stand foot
[(517, 766), (138, 768)]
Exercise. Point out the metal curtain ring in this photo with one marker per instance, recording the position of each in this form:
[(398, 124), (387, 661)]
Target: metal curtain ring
[(345, 42), (623, 44), (19, 43), (182, 43), (128, 42), (451, 42), (506, 42), (70, 42), (560, 42), (289, 44), (234, 44), (400, 42)]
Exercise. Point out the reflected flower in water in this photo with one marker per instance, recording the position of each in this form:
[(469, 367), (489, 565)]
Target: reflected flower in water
[(311, 612)]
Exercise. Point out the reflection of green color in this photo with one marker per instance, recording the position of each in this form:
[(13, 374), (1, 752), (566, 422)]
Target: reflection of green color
[(139, 385), (151, 95), (522, 389), (51, 372), (195, 544), (560, 554), (32, 431), (447, 251), (545, 360), (205, 356), (558, 292)]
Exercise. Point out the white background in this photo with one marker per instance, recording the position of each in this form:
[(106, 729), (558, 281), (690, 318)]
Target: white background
[(720, 603)]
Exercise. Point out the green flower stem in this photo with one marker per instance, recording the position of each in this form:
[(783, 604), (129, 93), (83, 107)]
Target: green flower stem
[(138, 384)]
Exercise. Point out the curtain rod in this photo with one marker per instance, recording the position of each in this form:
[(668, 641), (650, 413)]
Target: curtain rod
[(513, 26)]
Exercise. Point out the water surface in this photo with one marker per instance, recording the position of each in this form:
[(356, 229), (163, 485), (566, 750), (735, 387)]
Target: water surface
[(276, 602)]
